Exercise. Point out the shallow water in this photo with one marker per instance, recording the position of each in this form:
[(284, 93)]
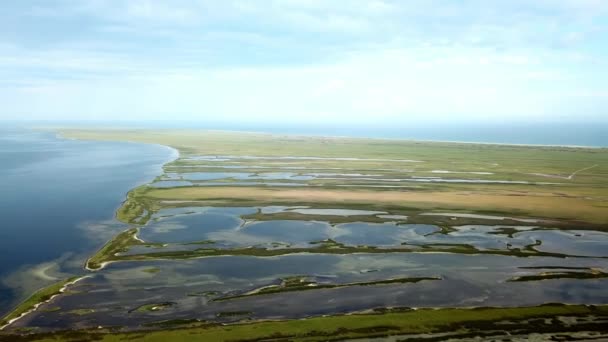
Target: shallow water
[(483, 217), (55, 191), (334, 212), (189, 228), (225, 228), (191, 286), (584, 243)]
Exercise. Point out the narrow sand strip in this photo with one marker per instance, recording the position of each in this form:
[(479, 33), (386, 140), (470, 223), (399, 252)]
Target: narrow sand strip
[(36, 306)]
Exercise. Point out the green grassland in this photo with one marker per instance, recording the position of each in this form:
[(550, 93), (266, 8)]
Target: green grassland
[(462, 323), (40, 296), (583, 198), (196, 142), (591, 274), (119, 243)]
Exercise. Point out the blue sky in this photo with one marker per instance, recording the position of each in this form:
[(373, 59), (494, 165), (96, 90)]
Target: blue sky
[(361, 61)]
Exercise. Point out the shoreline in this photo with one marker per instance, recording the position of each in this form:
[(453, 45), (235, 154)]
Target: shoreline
[(173, 155), (37, 305), (299, 135)]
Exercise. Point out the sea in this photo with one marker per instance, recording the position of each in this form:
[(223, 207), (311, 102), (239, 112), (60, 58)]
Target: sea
[(57, 203)]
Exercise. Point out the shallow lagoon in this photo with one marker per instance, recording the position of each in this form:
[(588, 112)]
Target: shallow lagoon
[(191, 286), (225, 228)]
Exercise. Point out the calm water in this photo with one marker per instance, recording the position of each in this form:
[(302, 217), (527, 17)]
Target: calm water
[(55, 191), (540, 133), (508, 132)]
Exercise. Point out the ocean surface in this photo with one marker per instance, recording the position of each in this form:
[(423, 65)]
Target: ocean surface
[(563, 134), (57, 202), (579, 133)]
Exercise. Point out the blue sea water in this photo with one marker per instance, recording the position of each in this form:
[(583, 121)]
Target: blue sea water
[(578, 133), (563, 134), (52, 189)]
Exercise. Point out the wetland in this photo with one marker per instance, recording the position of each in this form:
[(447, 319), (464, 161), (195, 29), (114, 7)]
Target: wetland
[(252, 236)]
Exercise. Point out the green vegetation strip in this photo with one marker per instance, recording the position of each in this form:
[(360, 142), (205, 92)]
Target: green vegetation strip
[(593, 274), (120, 243), (126, 239), (263, 252), (302, 284), (40, 296), (153, 307), (136, 209), (461, 322)]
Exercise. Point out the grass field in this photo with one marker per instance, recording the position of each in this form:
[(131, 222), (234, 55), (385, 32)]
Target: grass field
[(462, 322), (583, 197), (40, 296), (542, 205)]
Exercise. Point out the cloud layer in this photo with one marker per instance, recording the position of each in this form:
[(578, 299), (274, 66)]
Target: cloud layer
[(304, 60)]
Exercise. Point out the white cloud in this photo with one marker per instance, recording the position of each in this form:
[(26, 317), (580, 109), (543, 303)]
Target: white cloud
[(303, 59), (385, 85)]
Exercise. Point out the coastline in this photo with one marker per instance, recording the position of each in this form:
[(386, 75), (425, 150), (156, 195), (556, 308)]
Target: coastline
[(37, 305), (173, 155), (331, 320), (323, 136)]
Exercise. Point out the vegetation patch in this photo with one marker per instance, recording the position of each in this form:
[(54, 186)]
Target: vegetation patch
[(591, 274), (303, 283), (460, 323), (81, 312), (152, 307), (151, 270), (119, 244), (37, 298), (330, 247), (233, 314), (206, 294), (135, 209)]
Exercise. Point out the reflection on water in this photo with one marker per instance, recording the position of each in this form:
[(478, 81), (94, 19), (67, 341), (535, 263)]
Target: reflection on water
[(585, 243), (225, 228), (207, 288), (188, 228), (195, 287), (336, 212), (466, 280), (55, 192)]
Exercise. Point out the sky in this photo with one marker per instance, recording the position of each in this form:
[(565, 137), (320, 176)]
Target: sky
[(294, 61)]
